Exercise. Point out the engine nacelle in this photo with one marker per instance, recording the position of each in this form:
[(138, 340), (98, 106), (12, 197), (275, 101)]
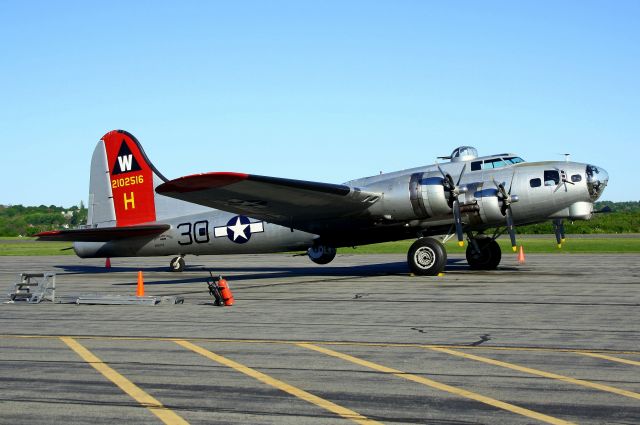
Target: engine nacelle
[(433, 195), (427, 197), (490, 211)]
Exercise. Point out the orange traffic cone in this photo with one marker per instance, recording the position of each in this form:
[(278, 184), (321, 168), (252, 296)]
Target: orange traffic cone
[(107, 264), (521, 255), (140, 290)]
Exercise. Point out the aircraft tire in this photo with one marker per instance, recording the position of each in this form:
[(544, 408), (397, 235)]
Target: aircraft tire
[(177, 264), (321, 254), (427, 257), (489, 256)]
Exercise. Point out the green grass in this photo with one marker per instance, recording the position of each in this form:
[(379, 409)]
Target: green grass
[(28, 246)]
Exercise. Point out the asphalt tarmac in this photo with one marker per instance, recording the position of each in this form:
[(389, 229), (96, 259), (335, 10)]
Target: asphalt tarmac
[(556, 340)]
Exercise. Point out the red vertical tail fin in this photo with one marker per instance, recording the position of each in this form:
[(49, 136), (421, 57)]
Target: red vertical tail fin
[(131, 179)]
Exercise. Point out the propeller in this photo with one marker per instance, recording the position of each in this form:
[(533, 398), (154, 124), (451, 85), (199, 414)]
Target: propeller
[(455, 190), (507, 199), (558, 228)]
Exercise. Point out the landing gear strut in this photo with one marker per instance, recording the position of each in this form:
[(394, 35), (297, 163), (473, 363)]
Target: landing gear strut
[(177, 264), (427, 257), (483, 253)]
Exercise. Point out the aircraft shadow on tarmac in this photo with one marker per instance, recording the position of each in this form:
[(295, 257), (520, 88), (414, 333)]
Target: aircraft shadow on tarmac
[(245, 273)]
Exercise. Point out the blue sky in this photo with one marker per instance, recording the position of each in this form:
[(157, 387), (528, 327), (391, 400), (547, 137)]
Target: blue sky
[(314, 90)]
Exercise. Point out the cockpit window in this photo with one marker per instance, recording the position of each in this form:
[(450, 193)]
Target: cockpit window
[(489, 164), (513, 160), (493, 163), (551, 177)]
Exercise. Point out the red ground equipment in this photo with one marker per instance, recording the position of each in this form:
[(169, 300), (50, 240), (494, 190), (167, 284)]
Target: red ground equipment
[(219, 290)]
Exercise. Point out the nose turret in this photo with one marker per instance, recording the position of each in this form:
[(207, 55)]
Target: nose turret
[(597, 179)]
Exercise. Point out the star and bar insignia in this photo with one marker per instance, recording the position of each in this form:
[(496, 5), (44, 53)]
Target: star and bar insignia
[(239, 229)]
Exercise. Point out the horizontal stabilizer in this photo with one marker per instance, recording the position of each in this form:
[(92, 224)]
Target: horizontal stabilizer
[(102, 234)]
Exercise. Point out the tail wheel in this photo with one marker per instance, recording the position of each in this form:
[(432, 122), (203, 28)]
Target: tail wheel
[(427, 257), (177, 264), (487, 258), (321, 254)]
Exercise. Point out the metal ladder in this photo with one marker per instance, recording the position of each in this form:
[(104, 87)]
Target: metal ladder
[(33, 288)]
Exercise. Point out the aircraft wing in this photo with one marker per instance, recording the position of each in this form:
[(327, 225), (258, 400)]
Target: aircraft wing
[(102, 234), (292, 203)]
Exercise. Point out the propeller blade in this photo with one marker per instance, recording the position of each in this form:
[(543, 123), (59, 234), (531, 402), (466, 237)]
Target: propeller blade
[(497, 185), (557, 230), (511, 229), (503, 191), (458, 221), (511, 184), (441, 170), (461, 173)]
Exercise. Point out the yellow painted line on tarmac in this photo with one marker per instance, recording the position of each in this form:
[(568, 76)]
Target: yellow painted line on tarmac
[(544, 374), (336, 343), (611, 358), (165, 415), (281, 385), (439, 386)]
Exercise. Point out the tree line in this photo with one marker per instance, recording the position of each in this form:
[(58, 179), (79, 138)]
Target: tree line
[(18, 220)]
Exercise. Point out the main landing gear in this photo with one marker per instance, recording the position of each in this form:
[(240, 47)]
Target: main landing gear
[(483, 253), (177, 264), (428, 257)]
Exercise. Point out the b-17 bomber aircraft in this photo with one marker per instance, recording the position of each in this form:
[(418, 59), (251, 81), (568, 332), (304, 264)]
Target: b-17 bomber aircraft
[(135, 211)]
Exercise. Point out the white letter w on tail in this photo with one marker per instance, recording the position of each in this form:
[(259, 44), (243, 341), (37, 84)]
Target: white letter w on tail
[(125, 162)]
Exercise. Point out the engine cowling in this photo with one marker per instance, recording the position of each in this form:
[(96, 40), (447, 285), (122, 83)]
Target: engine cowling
[(428, 197), (434, 196), (490, 210)]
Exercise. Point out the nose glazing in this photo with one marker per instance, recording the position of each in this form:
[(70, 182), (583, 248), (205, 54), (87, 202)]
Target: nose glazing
[(597, 179)]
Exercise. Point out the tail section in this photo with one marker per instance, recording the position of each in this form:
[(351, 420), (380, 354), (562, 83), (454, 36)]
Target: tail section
[(121, 191)]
